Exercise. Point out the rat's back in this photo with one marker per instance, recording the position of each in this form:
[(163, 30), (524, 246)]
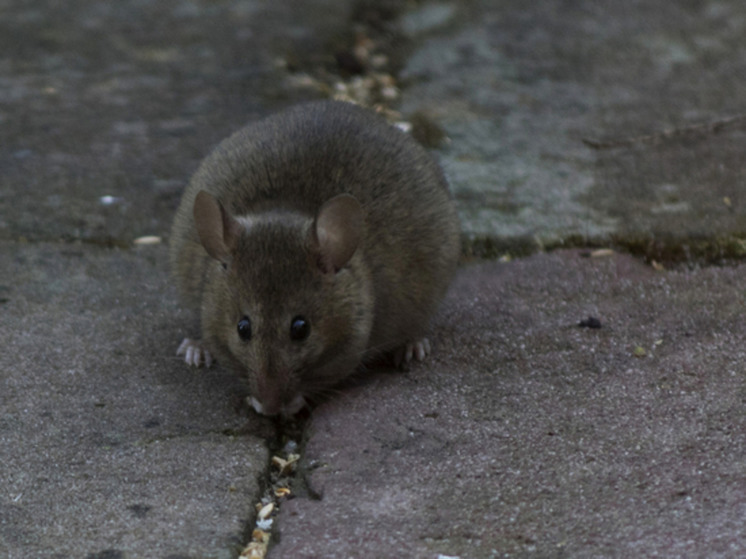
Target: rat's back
[(298, 159)]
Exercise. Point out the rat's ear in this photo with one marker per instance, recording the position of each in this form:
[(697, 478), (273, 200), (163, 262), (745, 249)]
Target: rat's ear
[(218, 230), (336, 232)]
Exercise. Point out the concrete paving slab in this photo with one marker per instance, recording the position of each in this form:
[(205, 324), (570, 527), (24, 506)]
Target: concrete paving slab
[(519, 86), (110, 446), (107, 108), (527, 435)]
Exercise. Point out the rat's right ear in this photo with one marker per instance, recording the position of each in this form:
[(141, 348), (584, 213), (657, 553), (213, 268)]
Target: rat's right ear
[(218, 230), (337, 232)]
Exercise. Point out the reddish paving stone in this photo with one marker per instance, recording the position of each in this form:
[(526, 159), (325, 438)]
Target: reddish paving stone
[(527, 434)]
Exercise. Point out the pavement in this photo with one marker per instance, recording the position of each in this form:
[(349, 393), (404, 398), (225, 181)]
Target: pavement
[(565, 128)]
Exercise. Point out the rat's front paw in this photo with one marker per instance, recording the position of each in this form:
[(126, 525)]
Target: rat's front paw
[(418, 350), (194, 353)]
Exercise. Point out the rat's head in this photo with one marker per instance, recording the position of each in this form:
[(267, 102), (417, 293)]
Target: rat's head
[(289, 304)]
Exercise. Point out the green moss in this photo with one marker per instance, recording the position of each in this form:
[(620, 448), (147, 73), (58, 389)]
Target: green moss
[(667, 250)]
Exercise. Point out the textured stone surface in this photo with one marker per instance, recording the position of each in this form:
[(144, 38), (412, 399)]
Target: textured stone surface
[(517, 87), (527, 435), (108, 441), (122, 100)]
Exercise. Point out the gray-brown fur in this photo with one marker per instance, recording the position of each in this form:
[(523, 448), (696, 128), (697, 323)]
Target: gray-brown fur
[(273, 177)]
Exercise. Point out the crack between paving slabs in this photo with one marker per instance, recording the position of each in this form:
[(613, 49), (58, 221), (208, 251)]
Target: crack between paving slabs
[(371, 81), (281, 482)]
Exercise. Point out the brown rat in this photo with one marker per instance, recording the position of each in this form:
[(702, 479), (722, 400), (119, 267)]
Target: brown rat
[(312, 241)]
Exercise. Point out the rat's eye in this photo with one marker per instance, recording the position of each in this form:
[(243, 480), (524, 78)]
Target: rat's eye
[(300, 328), (244, 328)]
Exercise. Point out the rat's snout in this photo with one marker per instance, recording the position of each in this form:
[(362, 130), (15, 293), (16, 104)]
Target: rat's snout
[(272, 394), (288, 409)]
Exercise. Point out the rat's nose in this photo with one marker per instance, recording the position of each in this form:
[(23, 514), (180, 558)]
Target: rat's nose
[(291, 408), (294, 406)]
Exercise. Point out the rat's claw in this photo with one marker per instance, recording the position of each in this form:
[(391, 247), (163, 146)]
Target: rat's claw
[(193, 352), (183, 345), (421, 349), (192, 356), (418, 350)]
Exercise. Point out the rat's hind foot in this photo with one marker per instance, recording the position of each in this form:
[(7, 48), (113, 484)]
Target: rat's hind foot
[(418, 350), (194, 353)]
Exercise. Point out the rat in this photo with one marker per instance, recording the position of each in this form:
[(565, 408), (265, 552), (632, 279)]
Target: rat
[(312, 242)]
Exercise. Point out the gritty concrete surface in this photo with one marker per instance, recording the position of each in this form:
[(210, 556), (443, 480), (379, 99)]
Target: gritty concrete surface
[(109, 443), (527, 435), (567, 124), (122, 100), (518, 87)]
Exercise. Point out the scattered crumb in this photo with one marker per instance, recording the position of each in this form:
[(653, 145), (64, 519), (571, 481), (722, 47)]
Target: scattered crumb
[(364, 77), (110, 200), (268, 507), (285, 466), (255, 550), (265, 511), (265, 525), (602, 252), (148, 240)]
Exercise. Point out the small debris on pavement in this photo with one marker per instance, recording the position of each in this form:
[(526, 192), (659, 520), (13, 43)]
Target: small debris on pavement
[(285, 467), (590, 322), (109, 200), (254, 550), (364, 77), (147, 240), (602, 252), (265, 511), (269, 506)]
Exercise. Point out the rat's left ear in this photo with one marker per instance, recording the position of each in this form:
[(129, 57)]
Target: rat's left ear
[(336, 232), (218, 230)]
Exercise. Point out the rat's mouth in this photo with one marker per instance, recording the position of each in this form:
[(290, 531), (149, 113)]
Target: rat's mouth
[(288, 409)]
